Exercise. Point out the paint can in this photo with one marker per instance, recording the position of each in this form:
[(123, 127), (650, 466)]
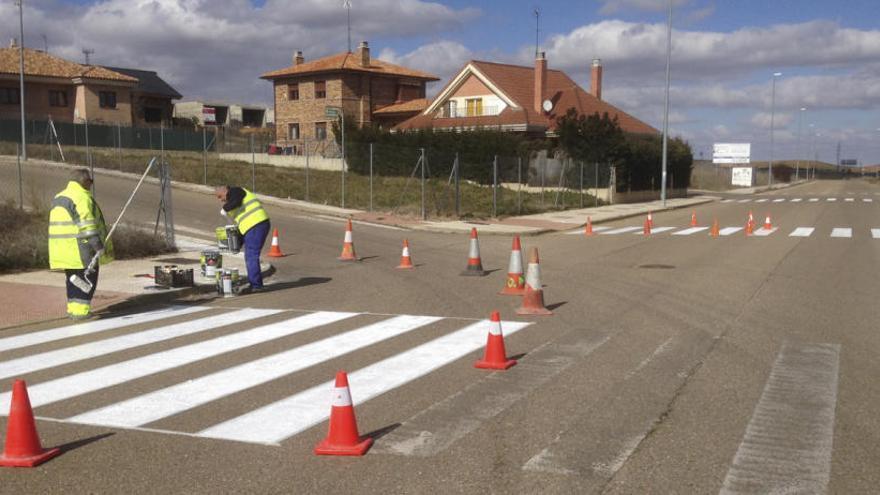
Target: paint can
[(210, 261), (226, 280), (220, 234), (233, 238)]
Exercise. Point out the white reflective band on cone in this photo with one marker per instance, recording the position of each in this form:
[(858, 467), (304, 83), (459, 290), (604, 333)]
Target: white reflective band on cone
[(406, 252), (516, 264), (533, 276), (274, 241), (495, 327), (341, 397), (474, 251), (348, 236)]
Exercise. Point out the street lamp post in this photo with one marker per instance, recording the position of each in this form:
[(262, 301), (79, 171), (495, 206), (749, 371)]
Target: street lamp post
[(772, 115), (666, 105), (813, 148), (797, 168), (21, 74)]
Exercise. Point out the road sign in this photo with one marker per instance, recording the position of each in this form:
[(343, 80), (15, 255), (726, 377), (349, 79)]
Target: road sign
[(741, 176), (331, 111), (731, 152), (209, 115)]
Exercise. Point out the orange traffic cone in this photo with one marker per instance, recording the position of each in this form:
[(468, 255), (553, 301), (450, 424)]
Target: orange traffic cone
[(767, 224), (405, 260), (516, 284), (23, 448), (348, 246), (275, 249), (533, 297), (495, 357), (693, 219), (588, 228), (475, 264), (750, 224), (715, 231), (343, 437), (646, 229), (650, 220)]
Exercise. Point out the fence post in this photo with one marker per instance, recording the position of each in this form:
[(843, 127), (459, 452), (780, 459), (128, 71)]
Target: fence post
[(371, 177), (582, 184), (205, 152), (495, 186), (119, 143), (162, 140), (306, 146), (596, 185), (424, 211), (253, 168), (20, 186), (543, 174), (519, 188), (455, 167)]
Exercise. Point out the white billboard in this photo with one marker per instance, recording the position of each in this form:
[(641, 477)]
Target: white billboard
[(209, 115), (741, 176), (731, 152)]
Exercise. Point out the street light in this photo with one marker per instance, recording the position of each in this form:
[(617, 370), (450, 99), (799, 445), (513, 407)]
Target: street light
[(666, 103), (772, 115), (797, 168), (21, 73)]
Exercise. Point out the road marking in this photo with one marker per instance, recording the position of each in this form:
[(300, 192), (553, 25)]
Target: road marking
[(867, 200), (114, 374), (622, 230), (287, 417), (436, 428), (796, 200), (788, 441), (657, 230), (875, 233), (779, 200), (802, 232), (96, 326), (831, 200), (813, 200), (762, 232), (727, 201), (762, 200), (159, 404), (692, 230), (841, 232), (744, 201), (67, 355), (658, 351), (596, 229), (849, 200), (729, 230)]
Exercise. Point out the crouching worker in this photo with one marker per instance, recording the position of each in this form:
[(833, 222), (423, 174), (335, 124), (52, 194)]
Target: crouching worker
[(246, 212), (77, 233)]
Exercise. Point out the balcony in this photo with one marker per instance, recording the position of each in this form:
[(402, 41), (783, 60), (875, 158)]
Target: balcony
[(455, 112)]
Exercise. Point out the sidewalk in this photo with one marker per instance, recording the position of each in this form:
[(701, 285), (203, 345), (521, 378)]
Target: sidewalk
[(40, 295)]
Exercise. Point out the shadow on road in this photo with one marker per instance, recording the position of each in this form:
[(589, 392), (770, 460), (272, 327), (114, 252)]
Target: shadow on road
[(85, 441)]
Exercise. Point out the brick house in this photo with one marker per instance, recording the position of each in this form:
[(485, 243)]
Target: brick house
[(518, 99), (71, 92), (370, 91)]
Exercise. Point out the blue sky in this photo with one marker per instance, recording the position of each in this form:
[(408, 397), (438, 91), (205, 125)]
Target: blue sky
[(723, 58)]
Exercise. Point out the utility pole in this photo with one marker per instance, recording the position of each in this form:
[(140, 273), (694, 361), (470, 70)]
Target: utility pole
[(537, 29), (797, 170), (21, 74), (347, 5), (772, 115), (666, 104)]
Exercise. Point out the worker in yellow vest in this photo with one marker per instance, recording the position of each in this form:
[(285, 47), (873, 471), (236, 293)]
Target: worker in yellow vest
[(246, 212), (76, 233)]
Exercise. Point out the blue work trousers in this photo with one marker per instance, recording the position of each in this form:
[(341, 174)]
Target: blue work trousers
[(254, 239)]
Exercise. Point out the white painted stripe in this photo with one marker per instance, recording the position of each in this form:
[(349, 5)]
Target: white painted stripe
[(692, 230), (762, 232), (849, 200), (875, 233), (813, 200), (114, 374), (841, 232), (596, 230), (831, 200), (868, 200), (184, 396), (96, 326), (67, 355), (729, 230), (727, 201), (657, 230), (779, 200), (287, 417), (622, 230), (744, 201), (762, 200), (796, 200), (788, 443), (802, 232)]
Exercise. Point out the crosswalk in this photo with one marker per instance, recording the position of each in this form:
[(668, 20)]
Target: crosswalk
[(285, 417), (798, 200), (835, 232)]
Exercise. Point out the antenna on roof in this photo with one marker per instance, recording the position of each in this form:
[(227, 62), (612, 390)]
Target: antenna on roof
[(88, 52), (537, 29), (45, 43), (347, 5)]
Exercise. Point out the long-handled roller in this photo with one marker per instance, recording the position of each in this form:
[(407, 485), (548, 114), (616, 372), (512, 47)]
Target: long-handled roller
[(83, 282)]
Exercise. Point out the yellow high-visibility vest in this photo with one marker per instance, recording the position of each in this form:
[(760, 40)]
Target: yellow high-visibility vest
[(76, 229), (250, 212)]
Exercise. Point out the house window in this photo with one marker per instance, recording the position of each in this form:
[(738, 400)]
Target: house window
[(320, 131), (474, 107), (293, 94), (320, 89), (107, 99), (292, 131), (452, 109), (9, 96), (57, 98)]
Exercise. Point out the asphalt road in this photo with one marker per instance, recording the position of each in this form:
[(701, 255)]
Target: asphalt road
[(672, 364)]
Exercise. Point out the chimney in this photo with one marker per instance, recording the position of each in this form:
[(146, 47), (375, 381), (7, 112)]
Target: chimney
[(364, 52), (596, 79), (298, 58), (13, 43), (540, 81)]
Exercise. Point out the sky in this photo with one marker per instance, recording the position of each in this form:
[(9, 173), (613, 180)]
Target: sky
[(724, 54)]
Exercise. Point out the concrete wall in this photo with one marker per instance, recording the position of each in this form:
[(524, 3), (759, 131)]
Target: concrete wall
[(287, 161)]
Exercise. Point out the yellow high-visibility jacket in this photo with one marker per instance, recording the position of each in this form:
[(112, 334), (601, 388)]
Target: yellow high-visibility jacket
[(76, 229), (250, 212)]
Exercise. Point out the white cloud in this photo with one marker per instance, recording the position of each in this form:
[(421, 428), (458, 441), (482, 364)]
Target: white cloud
[(762, 120), (443, 58)]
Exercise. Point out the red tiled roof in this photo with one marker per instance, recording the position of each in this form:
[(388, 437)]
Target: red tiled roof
[(518, 83), (41, 64), (349, 62), (411, 106)]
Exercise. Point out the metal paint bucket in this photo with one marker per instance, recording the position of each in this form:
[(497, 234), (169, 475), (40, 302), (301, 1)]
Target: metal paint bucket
[(233, 238), (226, 284), (210, 261), (227, 281), (220, 234)]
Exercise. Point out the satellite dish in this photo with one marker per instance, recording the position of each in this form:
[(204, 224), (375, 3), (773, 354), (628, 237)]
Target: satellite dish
[(547, 106)]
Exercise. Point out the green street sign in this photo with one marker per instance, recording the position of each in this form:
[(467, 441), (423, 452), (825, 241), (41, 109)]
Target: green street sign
[(331, 111)]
